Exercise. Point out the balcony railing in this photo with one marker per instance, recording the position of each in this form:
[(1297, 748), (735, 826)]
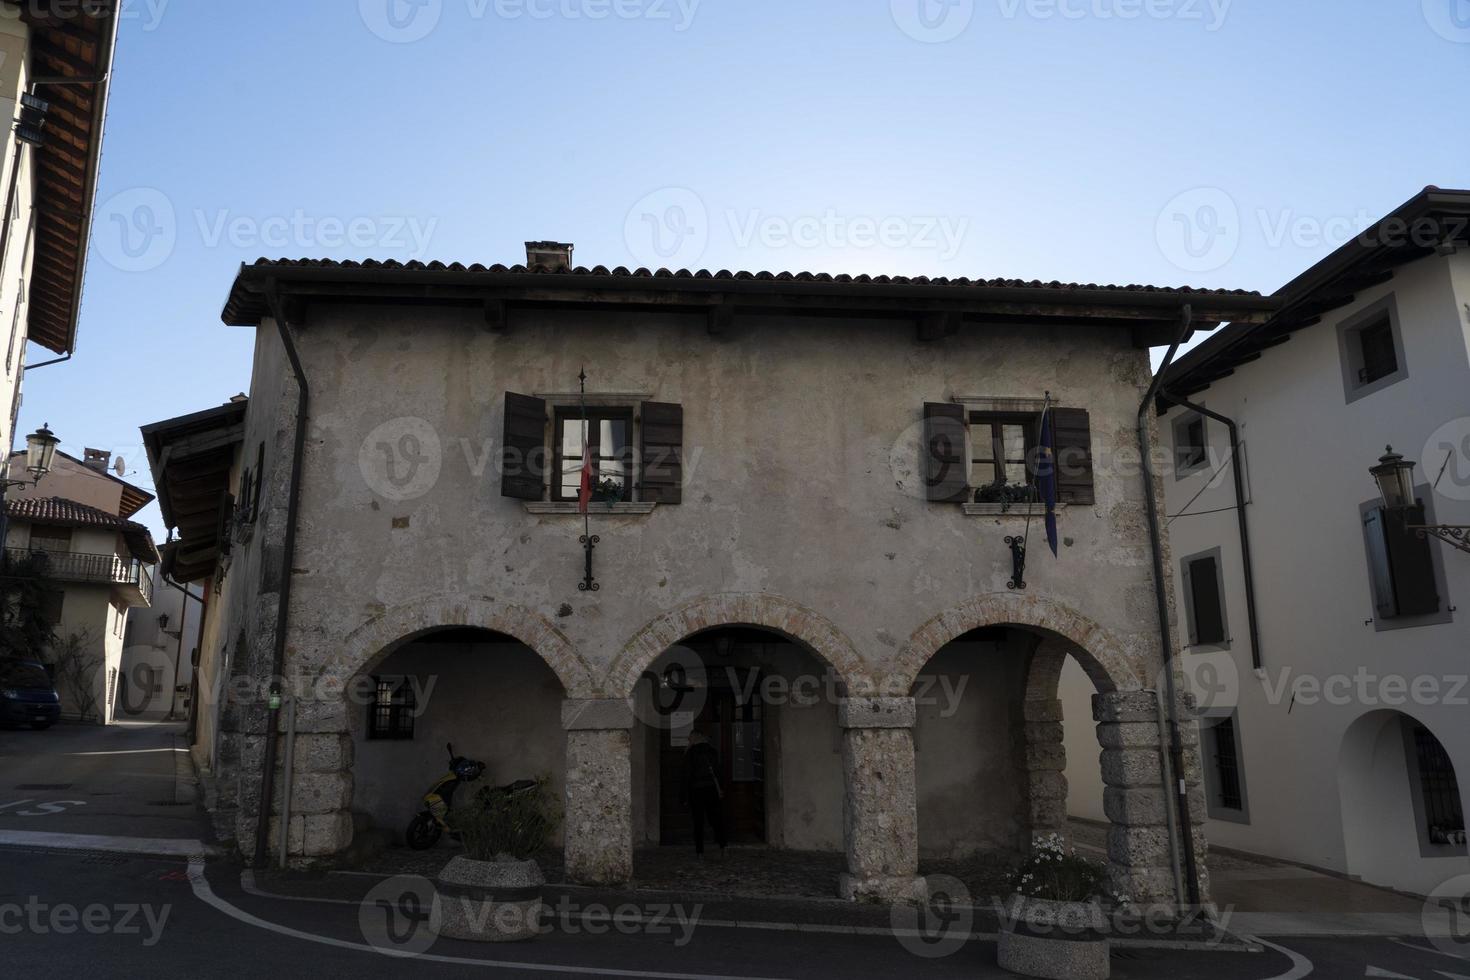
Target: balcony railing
[(75, 566)]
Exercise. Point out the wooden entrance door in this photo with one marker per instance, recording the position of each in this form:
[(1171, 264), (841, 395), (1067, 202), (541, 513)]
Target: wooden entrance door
[(737, 732)]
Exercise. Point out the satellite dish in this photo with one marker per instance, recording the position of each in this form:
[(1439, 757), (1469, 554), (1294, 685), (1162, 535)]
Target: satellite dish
[(119, 467)]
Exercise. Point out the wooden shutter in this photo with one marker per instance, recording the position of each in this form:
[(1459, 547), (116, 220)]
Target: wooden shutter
[(1380, 573), (523, 447), (1072, 433), (661, 453), (1409, 556), (944, 452)]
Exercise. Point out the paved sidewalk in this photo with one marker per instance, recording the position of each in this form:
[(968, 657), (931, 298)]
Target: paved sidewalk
[(1265, 897), (129, 779)]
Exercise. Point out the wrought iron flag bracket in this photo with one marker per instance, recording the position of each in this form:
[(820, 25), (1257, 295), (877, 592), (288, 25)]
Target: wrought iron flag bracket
[(1018, 562), (588, 583)]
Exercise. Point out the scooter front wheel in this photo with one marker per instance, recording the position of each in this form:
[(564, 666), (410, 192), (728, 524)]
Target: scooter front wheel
[(423, 833)]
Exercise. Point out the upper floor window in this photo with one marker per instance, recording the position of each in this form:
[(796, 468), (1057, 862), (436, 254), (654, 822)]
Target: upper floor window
[(1204, 600), (1191, 452), (637, 451), (1372, 350), (971, 455), (1003, 448), (607, 434), (1375, 350)]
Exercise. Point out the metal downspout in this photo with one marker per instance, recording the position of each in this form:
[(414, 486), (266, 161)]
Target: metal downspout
[(1245, 539), (283, 607), (1161, 597)]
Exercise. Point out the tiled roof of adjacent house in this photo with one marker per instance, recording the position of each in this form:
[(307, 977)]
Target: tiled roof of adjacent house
[(60, 512), (70, 64), (1434, 220)]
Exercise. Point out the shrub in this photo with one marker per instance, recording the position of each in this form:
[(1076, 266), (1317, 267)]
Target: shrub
[(500, 825)]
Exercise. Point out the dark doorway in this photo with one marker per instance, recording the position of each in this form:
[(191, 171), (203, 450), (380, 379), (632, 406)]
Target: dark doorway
[(736, 728)]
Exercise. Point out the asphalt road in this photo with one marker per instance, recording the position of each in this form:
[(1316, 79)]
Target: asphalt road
[(97, 914)]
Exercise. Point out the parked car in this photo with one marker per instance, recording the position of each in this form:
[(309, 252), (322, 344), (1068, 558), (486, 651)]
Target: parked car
[(27, 695)]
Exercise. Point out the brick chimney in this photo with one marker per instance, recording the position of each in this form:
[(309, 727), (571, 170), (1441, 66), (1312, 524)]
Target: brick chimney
[(556, 256), (96, 459)]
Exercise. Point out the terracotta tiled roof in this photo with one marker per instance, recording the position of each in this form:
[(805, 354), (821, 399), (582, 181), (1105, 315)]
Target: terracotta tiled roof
[(60, 512), (246, 305)]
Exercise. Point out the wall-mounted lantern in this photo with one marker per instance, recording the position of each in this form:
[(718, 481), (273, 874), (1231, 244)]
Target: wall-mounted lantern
[(1395, 477)]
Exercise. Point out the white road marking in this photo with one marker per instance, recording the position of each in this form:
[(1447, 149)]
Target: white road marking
[(1427, 949), (205, 894), (127, 751), (1374, 971), (157, 846), (1300, 965), (48, 808)]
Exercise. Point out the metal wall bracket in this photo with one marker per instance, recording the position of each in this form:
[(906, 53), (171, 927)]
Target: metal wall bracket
[(588, 583), (1018, 562)]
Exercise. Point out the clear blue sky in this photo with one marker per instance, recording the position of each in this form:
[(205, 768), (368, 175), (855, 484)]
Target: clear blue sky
[(1048, 139)]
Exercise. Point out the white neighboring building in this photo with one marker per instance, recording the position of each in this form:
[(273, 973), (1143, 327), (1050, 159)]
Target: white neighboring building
[(55, 71), (1338, 720), (158, 653)]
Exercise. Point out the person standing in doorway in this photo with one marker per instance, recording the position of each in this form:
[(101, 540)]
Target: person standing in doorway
[(702, 792)]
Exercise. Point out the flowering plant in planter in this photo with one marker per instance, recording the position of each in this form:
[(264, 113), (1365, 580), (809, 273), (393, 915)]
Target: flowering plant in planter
[(1054, 872), (1054, 925), (492, 892)]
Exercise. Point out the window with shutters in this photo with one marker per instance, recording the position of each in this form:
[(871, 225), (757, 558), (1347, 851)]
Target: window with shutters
[(1405, 571), (1204, 601), (973, 455), (636, 452), (1372, 350), (391, 714)]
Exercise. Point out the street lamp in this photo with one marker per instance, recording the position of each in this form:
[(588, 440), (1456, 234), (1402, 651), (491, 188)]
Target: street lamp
[(40, 454), (1395, 477)]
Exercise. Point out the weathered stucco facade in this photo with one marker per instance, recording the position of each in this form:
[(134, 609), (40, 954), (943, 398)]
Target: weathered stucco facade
[(803, 514)]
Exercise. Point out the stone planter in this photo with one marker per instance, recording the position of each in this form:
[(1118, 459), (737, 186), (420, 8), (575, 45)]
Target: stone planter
[(1054, 940), (488, 901)]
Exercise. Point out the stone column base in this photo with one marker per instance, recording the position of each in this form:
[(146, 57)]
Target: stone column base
[(599, 805), (880, 829), (883, 888)]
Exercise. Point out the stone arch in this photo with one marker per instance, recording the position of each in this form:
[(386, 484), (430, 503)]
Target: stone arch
[(1096, 649), (400, 624), (790, 619)]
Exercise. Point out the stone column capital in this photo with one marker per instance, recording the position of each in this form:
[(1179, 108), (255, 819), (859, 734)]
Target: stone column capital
[(875, 713), (597, 714)]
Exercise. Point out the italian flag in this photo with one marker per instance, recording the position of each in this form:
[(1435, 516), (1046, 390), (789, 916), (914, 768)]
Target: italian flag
[(584, 495)]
